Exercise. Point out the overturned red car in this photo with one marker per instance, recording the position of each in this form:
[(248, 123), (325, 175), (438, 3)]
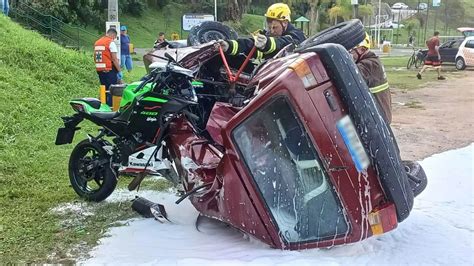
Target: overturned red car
[(304, 160)]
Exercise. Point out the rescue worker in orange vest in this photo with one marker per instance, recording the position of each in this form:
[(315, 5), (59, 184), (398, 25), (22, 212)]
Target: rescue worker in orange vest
[(373, 72), (106, 61)]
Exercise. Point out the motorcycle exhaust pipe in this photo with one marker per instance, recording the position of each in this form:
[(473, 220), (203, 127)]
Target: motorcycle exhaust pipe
[(149, 209)]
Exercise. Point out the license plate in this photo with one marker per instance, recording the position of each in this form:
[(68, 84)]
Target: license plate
[(353, 143), (64, 136)]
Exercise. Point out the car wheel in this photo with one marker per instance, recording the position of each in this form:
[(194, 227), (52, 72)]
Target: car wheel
[(375, 133), (209, 31), (460, 64), (348, 34), (416, 177)]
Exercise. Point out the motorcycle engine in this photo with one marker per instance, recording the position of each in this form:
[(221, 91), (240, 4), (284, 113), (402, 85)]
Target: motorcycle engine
[(127, 146)]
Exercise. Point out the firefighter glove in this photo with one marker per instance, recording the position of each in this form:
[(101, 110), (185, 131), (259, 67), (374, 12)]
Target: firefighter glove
[(260, 41)]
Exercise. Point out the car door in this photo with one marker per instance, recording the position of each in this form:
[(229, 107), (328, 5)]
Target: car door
[(469, 53), (448, 51)]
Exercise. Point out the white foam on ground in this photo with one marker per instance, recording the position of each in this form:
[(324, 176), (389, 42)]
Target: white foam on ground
[(438, 231)]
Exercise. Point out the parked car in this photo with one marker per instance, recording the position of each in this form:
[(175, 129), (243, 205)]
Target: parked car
[(394, 25), (399, 6), (465, 54), (448, 51)]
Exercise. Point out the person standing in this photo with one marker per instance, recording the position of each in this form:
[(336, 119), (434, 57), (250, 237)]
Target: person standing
[(106, 61), (373, 72), (433, 58), (4, 7), (125, 58), (160, 39)]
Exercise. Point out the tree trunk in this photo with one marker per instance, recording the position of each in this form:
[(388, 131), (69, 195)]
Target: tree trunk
[(233, 11)]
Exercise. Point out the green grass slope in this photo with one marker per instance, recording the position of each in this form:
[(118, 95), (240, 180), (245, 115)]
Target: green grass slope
[(37, 78)]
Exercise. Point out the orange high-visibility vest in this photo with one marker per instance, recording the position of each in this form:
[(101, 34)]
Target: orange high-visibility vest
[(102, 54)]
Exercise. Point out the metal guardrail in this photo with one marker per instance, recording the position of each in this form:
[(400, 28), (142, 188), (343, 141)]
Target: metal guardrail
[(50, 26)]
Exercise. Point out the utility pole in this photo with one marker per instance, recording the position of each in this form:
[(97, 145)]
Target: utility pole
[(112, 11), (113, 23)]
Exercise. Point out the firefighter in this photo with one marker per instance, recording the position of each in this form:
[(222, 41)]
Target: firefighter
[(106, 61), (373, 72), (280, 32)]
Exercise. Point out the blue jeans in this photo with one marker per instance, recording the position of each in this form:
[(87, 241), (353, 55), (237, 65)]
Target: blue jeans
[(126, 60), (107, 79)]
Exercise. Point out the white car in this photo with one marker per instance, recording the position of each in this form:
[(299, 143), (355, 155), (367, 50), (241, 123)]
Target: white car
[(399, 6), (394, 25), (465, 55)]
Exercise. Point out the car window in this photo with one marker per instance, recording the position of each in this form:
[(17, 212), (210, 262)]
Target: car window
[(446, 44), (470, 44), (456, 44), (289, 174)]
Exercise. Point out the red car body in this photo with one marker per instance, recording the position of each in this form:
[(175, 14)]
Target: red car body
[(287, 175)]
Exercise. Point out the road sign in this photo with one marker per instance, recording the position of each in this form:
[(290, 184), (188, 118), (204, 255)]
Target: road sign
[(190, 20)]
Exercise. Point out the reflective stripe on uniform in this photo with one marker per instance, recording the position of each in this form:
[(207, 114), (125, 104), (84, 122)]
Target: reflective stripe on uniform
[(272, 46), (379, 88), (99, 48), (259, 55), (100, 65), (235, 47)]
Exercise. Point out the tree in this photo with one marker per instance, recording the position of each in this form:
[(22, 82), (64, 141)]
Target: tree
[(235, 9), (366, 11)]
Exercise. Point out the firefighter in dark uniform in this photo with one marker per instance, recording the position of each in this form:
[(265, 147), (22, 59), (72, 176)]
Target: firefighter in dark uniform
[(373, 72), (280, 32)]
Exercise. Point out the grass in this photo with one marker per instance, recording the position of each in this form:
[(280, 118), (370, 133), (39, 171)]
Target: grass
[(36, 83), (400, 77)]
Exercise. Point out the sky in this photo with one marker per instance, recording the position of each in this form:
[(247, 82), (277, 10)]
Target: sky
[(439, 231)]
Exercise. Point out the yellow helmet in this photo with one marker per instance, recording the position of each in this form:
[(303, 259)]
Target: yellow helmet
[(279, 11), (366, 42)]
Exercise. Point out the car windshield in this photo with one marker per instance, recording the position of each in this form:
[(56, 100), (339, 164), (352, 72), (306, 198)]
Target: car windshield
[(289, 174)]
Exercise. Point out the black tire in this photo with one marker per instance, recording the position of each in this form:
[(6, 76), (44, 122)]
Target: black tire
[(96, 182), (460, 64), (416, 176), (348, 34), (410, 62), (208, 31), (418, 62), (374, 132)]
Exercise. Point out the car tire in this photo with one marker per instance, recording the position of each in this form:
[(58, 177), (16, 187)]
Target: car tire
[(460, 64), (348, 34), (375, 133), (209, 31), (416, 176)]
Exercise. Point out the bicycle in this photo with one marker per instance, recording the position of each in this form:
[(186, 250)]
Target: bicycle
[(416, 58)]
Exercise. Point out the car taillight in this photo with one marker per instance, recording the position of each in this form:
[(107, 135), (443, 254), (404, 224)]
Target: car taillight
[(383, 219), (301, 68)]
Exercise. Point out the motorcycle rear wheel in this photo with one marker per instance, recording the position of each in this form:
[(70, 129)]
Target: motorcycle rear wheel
[(90, 172)]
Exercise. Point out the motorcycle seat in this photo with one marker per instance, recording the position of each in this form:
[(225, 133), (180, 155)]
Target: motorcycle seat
[(93, 102), (105, 115)]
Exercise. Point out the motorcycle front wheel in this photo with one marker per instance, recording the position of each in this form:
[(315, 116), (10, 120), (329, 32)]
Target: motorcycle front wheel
[(90, 172)]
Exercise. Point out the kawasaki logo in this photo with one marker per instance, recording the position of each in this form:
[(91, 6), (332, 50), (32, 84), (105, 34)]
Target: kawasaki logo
[(140, 164), (149, 113)]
